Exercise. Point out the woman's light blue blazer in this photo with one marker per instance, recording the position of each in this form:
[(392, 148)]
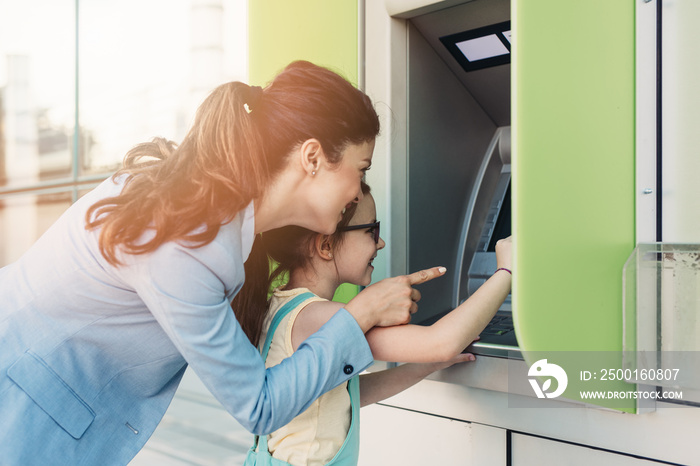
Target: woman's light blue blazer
[(91, 354)]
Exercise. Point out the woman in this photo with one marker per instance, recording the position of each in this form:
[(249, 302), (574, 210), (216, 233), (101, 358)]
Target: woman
[(100, 317)]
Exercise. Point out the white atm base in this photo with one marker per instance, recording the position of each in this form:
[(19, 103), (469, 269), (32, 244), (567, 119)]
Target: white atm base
[(441, 420)]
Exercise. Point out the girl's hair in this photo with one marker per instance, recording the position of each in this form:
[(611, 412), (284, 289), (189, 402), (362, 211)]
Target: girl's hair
[(282, 249), (239, 141)]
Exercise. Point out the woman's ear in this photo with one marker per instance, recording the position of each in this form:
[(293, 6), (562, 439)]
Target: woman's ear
[(323, 247), (312, 155)]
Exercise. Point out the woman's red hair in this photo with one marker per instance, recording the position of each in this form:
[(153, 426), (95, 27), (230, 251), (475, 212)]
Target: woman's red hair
[(238, 143)]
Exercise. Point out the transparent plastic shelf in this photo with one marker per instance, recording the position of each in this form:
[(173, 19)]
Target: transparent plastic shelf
[(661, 315)]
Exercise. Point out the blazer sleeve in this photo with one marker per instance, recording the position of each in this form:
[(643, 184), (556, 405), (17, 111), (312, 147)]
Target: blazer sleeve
[(185, 290)]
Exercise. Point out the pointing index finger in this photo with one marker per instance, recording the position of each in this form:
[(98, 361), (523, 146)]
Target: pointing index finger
[(422, 276)]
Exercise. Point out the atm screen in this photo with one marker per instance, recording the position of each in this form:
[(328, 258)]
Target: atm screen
[(502, 228)]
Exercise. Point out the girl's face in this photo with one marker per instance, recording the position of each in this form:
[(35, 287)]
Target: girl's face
[(338, 186), (354, 256)]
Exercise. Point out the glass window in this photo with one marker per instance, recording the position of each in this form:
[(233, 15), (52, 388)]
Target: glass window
[(142, 70), (134, 61), (37, 82), (146, 66), (681, 117)]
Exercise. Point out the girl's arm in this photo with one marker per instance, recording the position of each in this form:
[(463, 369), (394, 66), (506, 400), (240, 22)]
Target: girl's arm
[(448, 336), (441, 341), (378, 386)]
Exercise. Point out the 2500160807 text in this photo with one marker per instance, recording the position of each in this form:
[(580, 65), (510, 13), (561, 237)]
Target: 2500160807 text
[(663, 375)]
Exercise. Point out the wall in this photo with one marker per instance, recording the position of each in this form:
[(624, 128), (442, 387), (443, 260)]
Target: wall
[(322, 32)]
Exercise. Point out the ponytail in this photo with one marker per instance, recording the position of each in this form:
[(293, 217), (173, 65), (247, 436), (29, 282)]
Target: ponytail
[(186, 192), (250, 304)]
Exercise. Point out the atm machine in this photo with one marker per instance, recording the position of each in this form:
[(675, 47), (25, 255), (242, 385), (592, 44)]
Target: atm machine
[(498, 338), (459, 164)]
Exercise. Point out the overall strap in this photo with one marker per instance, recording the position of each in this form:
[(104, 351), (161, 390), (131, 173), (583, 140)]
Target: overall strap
[(281, 313), (349, 452), (261, 440)]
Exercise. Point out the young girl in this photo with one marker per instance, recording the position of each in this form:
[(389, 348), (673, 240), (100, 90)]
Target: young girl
[(326, 433), (100, 318)]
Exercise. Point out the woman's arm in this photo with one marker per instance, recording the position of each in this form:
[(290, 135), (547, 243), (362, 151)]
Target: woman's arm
[(378, 386), (390, 301), (187, 297)]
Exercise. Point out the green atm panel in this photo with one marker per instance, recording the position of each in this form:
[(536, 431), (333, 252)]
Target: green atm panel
[(322, 32), (573, 173)]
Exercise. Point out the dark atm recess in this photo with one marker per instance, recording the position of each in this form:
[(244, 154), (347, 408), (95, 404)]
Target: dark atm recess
[(488, 217), (457, 165), (502, 228)]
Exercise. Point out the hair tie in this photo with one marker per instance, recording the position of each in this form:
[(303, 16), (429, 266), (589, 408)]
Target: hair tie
[(254, 95)]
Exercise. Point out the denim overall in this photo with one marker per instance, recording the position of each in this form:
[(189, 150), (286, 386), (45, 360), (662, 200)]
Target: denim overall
[(349, 451)]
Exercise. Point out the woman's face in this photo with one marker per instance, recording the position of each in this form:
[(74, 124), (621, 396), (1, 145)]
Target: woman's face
[(355, 254), (337, 186)]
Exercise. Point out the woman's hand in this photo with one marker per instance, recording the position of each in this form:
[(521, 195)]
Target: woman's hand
[(390, 301), (503, 253)]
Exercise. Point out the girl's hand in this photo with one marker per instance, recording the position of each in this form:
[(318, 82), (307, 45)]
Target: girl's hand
[(462, 357), (377, 386), (390, 301), (503, 253)]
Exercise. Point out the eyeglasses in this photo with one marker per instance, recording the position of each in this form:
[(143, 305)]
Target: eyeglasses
[(374, 226)]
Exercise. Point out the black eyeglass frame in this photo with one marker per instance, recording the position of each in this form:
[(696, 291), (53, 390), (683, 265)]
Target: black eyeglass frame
[(374, 225)]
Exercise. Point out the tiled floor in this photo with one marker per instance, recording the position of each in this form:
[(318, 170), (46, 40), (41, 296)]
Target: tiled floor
[(195, 431)]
